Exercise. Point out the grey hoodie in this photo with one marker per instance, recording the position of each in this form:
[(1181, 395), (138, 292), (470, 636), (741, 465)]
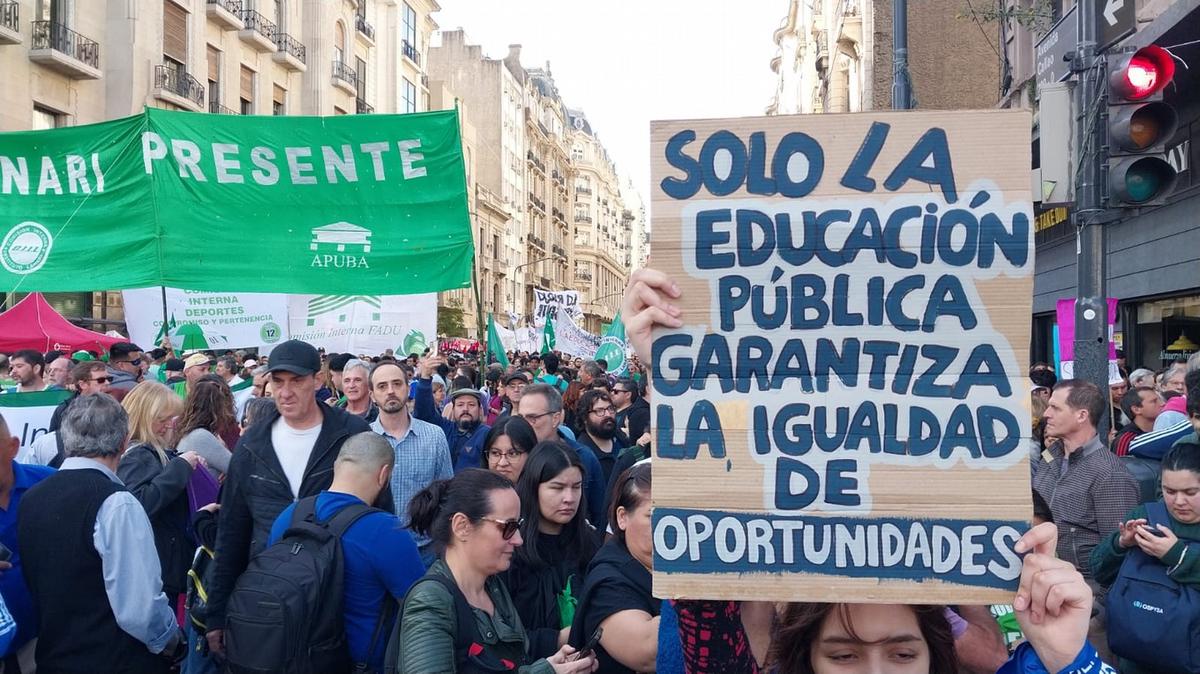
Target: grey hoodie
[(121, 379)]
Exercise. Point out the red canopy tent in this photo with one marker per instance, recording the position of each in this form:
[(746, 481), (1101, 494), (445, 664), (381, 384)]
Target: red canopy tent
[(34, 324)]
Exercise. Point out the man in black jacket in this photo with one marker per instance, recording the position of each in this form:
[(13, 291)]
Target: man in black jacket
[(286, 457), (633, 412)]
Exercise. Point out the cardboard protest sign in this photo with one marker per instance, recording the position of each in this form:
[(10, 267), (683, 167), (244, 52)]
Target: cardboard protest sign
[(849, 385)]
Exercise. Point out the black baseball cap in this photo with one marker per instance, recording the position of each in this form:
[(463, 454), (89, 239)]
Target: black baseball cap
[(296, 357), (508, 379), (173, 365)]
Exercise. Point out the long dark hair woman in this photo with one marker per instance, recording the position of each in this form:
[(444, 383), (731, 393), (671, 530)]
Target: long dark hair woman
[(617, 596), (549, 569), (459, 616), (207, 414)]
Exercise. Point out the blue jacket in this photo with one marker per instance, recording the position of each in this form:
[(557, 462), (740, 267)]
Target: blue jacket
[(380, 559), (465, 449), (12, 582)]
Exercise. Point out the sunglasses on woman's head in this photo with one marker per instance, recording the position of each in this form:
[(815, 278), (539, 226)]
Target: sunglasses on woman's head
[(508, 528)]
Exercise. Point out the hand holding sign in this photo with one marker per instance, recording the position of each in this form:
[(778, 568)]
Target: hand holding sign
[(1053, 603), (647, 305)]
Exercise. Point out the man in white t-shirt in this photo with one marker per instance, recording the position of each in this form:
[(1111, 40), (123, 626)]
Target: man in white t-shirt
[(287, 456)]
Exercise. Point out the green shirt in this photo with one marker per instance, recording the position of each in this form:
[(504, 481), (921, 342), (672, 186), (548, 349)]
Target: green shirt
[(1108, 556)]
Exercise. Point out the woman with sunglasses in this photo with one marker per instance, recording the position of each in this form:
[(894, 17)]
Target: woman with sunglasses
[(549, 569), (507, 447), (158, 477), (617, 595), (459, 617)]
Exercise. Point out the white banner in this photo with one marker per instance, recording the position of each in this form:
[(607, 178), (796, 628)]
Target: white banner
[(364, 324), (528, 339), (227, 320), (28, 414), (555, 303), (573, 340)]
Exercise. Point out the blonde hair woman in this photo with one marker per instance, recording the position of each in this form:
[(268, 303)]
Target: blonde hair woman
[(158, 477)]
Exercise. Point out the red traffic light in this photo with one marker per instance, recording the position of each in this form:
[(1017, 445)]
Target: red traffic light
[(1142, 74)]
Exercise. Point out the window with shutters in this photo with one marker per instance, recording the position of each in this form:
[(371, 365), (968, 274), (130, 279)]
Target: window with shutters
[(279, 101), (175, 36), (247, 93), (339, 43), (214, 75)]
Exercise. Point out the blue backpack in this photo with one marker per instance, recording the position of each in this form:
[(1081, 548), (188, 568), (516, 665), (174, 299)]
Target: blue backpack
[(1152, 619)]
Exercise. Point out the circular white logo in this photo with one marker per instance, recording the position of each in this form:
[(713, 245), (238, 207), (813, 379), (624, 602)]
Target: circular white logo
[(25, 248)]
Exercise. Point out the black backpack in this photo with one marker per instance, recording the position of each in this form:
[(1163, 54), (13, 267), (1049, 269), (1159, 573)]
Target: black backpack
[(286, 612)]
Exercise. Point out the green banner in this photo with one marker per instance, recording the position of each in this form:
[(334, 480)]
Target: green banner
[(350, 204), (495, 347), (613, 346)]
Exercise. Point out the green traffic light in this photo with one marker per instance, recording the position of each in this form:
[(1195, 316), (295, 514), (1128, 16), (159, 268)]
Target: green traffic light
[(1141, 185), (1146, 179)]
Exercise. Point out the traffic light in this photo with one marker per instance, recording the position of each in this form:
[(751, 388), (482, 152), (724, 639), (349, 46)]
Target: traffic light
[(1140, 124)]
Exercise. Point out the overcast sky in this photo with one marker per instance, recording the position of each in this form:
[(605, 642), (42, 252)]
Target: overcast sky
[(626, 62)]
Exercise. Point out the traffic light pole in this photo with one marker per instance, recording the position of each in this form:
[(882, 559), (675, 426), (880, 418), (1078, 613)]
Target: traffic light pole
[(1091, 305), (901, 84)]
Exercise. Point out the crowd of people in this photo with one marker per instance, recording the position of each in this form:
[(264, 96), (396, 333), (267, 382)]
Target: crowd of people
[(311, 511)]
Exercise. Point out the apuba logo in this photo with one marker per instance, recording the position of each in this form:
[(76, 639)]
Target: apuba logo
[(25, 248), (340, 245)]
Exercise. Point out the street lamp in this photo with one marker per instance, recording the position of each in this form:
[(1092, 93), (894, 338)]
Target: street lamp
[(514, 279), (597, 302)]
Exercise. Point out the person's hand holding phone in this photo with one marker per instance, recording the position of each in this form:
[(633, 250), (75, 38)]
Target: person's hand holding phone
[(1156, 540), (569, 661)]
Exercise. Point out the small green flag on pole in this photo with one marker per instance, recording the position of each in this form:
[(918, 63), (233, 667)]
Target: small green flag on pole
[(613, 346), (548, 336), (494, 346)]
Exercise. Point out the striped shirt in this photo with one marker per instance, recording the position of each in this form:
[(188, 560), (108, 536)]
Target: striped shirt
[(422, 458), (1156, 444), (1089, 493)]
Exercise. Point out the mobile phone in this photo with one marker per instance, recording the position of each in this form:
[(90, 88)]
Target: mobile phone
[(590, 646), (1154, 531), (5, 553)]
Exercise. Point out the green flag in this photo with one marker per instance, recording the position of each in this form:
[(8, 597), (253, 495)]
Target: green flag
[(613, 346), (343, 205), (548, 338), (494, 345)]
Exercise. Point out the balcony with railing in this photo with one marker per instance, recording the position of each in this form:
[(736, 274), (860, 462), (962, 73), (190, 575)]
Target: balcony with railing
[(580, 217), (535, 162), (362, 107), (62, 49), (364, 29), (558, 250), (10, 23), (583, 276), (345, 78), (291, 54), (258, 31), (217, 109), (537, 203), (174, 85), (537, 243), (226, 13), (410, 52), (583, 190)]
